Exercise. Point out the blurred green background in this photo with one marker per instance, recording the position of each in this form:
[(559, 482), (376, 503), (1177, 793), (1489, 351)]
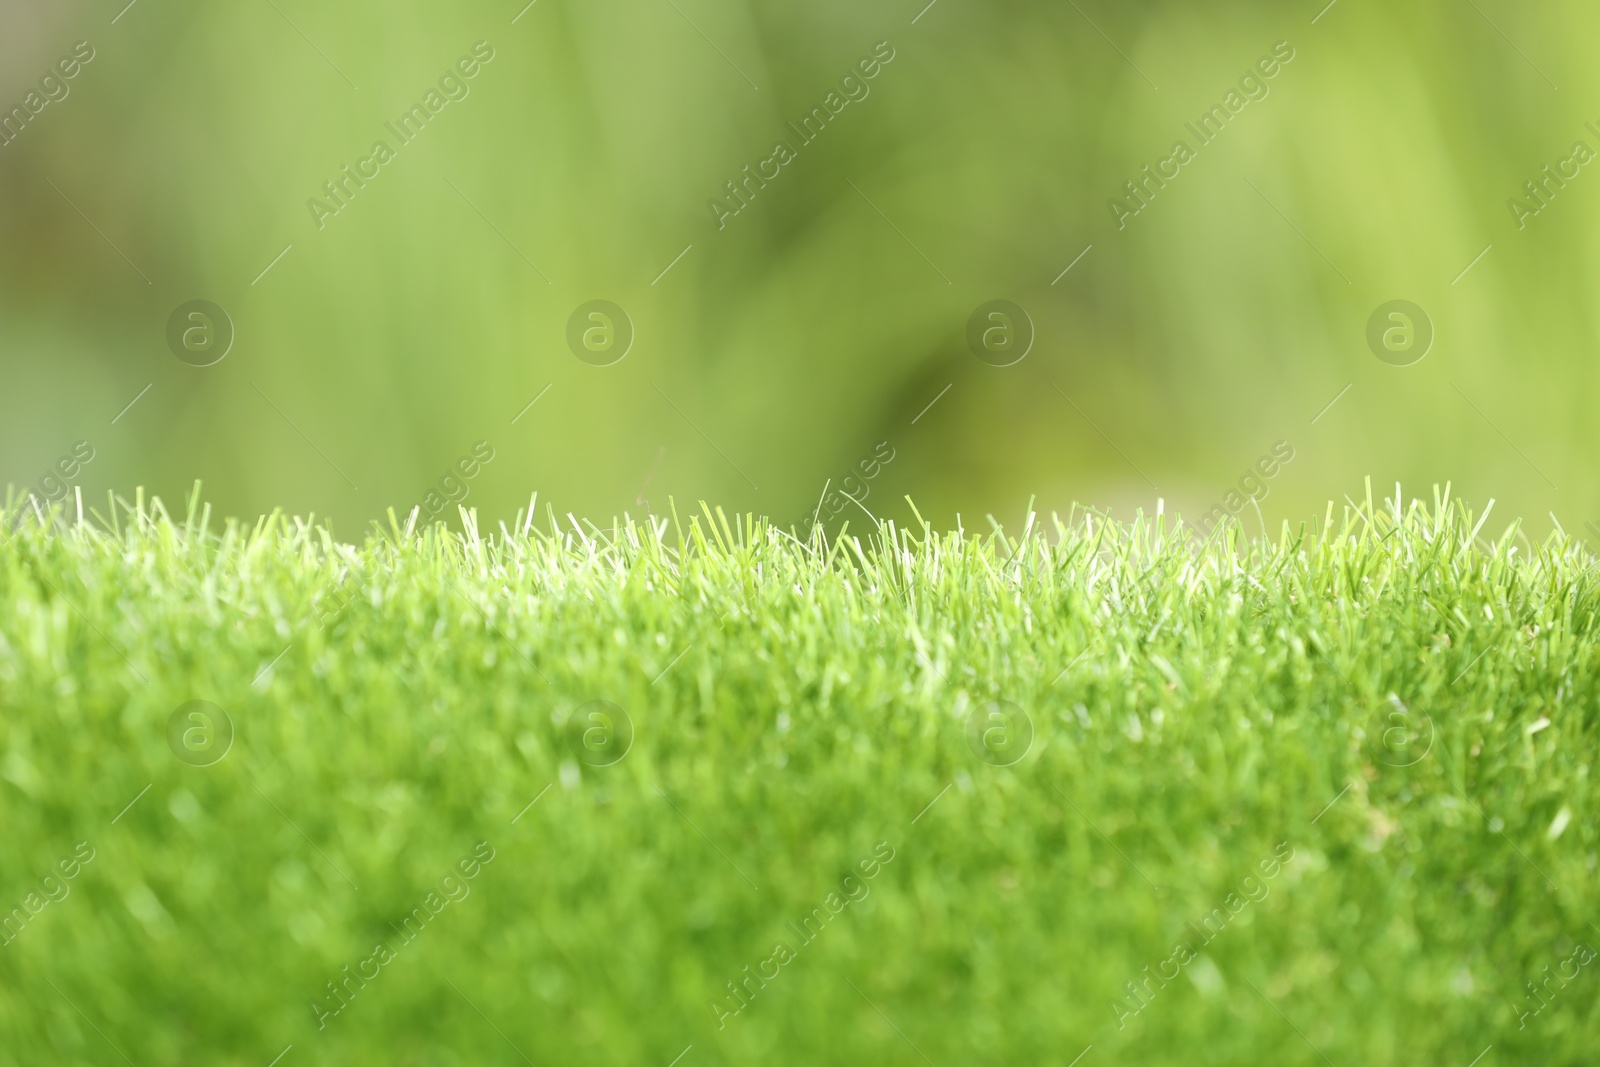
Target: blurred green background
[(780, 349)]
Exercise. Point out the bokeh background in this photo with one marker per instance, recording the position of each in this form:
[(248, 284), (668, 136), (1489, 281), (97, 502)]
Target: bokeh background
[(774, 354)]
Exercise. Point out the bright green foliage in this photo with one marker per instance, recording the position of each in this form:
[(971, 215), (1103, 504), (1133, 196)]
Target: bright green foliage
[(1362, 754)]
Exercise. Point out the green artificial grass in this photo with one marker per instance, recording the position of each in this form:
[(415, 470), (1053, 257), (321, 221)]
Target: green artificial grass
[(698, 791)]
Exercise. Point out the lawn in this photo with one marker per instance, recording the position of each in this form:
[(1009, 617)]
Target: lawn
[(693, 790)]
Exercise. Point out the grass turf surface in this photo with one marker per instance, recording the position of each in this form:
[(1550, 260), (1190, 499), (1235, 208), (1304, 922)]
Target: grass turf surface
[(1323, 799)]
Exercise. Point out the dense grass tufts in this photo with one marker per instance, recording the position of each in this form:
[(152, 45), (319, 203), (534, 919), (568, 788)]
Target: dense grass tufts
[(548, 794)]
